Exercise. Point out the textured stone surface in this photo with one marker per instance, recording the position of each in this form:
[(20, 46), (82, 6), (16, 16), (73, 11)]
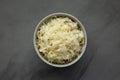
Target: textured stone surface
[(18, 59)]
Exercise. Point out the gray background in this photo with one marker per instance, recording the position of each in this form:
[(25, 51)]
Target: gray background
[(18, 59)]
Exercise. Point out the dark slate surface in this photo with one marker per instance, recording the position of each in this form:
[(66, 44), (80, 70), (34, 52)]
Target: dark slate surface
[(18, 59)]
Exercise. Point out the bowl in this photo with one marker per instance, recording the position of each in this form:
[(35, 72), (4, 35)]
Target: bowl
[(83, 49)]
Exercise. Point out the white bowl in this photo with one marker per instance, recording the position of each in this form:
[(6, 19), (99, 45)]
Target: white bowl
[(83, 49)]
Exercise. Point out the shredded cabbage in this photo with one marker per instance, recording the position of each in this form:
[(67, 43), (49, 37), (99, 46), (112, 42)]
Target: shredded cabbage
[(60, 40)]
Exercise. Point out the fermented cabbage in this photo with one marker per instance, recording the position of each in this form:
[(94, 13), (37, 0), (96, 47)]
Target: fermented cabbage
[(60, 40)]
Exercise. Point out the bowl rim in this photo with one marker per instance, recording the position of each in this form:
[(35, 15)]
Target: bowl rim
[(83, 49)]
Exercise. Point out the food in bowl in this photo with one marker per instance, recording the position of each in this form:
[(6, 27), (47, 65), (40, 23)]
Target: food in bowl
[(60, 39)]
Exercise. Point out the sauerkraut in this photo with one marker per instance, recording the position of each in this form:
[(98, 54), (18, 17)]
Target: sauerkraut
[(60, 40)]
